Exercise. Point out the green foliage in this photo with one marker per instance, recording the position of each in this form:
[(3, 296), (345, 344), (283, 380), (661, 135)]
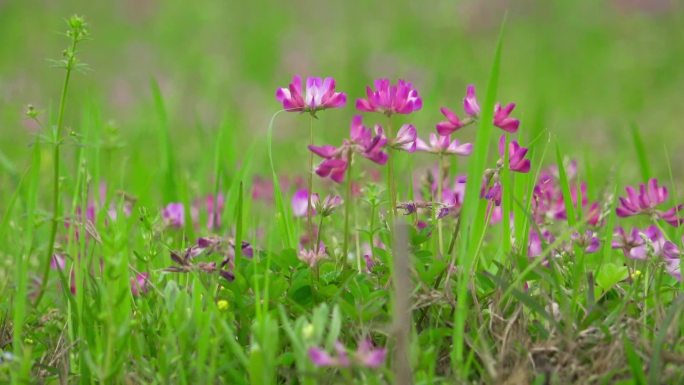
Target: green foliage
[(485, 312)]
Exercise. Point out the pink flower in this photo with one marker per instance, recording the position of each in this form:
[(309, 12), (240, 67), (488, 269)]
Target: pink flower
[(389, 99), (369, 263), (333, 168), (366, 355), (516, 155), (496, 215), (313, 256), (470, 105), (503, 120), (262, 189), (406, 138), (452, 198), (319, 95), (638, 244), (214, 207), (140, 284), (495, 193), (536, 243), (548, 203), (444, 145), (645, 202), (369, 356), (453, 123), (174, 215), (300, 202), (328, 205), (320, 357), (672, 257), (589, 241), (363, 141), (58, 261)]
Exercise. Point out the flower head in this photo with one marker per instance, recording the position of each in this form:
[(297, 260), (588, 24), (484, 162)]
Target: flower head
[(588, 241), (673, 262), (369, 356), (645, 201), (300, 202), (366, 355), (368, 143), (503, 120), (140, 284), (638, 244), (494, 193), (406, 138), (453, 123), (536, 243), (313, 256), (439, 144), (320, 357), (214, 206), (174, 215), (333, 168), (328, 205), (516, 155), (319, 95), (58, 261), (390, 99), (470, 105)]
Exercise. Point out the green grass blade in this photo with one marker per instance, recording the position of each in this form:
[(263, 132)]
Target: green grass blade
[(565, 188), (656, 364), (476, 167), (634, 361), (283, 217), (644, 166), (167, 153)]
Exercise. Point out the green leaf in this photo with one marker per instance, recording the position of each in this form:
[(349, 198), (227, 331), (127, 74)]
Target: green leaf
[(609, 275)]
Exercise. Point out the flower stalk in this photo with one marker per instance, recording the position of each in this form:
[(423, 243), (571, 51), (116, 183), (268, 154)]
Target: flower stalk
[(390, 175), (347, 207), (77, 32), (309, 172)]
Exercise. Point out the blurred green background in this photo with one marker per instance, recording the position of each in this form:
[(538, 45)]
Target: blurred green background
[(582, 69)]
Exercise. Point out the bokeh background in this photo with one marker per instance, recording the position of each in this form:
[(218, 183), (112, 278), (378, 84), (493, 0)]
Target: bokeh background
[(583, 69)]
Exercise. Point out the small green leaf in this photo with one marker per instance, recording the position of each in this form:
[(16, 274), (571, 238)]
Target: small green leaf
[(609, 275)]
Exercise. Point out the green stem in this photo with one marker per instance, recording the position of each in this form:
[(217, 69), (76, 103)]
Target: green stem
[(55, 174), (310, 184), (317, 247), (440, 189), (347, 208), (390, 176), (370, 235)]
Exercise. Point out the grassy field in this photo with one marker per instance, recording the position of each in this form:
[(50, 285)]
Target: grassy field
[(156, 224)]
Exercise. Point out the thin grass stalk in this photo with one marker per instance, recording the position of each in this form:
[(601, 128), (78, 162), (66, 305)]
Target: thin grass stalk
[(57, 134)]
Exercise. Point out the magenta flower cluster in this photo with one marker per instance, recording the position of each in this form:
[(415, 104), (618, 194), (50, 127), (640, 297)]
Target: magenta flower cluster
[(366, 355), (319, 95), (646, 201)]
